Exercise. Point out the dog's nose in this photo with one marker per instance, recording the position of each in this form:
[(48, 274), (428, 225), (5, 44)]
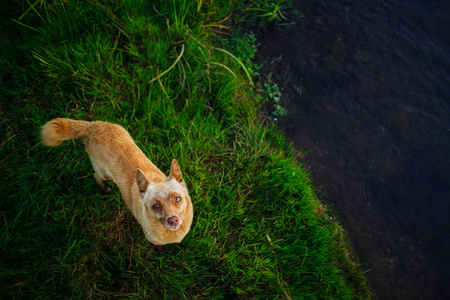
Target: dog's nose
[(173, 221)]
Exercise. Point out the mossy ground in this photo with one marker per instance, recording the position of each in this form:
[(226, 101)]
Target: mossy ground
[(158, 69)]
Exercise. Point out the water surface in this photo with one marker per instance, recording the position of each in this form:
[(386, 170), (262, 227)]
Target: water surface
[(367, 84)]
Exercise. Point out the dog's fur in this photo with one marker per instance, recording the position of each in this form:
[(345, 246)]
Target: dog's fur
[(160, 204)]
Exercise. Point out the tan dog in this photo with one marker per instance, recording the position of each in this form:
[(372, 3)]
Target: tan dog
[(160, 204)]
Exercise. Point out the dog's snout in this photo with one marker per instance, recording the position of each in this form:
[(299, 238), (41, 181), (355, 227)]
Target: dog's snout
[(173, 221)]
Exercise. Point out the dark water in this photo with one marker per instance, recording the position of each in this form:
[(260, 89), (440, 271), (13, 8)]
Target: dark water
[(367, 84)]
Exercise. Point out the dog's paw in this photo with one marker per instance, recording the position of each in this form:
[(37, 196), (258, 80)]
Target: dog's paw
[(106, 190), (158, 248)]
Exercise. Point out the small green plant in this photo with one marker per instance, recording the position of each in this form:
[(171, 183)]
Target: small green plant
[(244, 45), (269, 11), (271, 94)]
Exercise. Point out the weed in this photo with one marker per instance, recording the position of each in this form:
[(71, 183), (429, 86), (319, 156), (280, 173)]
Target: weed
[(267, 10), (271, 96), (244, 46)]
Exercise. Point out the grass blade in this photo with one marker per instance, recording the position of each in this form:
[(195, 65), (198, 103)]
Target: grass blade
[(171, 67), (238, 61)]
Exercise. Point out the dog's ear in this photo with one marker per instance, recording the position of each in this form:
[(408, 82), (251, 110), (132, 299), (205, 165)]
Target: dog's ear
[(175, 172), (142, 182)]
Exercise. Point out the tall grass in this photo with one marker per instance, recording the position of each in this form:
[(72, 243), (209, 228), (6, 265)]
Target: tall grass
[(154, 68)]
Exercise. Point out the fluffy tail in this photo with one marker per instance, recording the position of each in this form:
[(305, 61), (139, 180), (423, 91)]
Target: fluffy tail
[(57, 130)]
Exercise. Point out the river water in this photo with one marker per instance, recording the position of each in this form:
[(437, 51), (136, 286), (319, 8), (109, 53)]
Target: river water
[(367, 87)]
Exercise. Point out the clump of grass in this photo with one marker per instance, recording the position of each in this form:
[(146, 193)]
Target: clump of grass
[(268, 10), (271, 97), (259, 230), (243, 43)]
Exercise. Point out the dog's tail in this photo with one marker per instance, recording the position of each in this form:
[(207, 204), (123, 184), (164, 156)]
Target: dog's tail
[(57, 130)]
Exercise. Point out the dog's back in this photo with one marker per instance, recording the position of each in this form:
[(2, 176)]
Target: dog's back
[(112, 151)]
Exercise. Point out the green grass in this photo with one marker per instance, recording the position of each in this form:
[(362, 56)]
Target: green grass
[(156, 68)]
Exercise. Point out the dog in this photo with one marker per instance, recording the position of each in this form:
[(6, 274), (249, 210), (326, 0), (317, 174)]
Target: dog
[(160, 204)]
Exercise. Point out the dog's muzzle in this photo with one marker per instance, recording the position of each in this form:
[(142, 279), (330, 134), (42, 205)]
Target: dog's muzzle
[(173, 223)]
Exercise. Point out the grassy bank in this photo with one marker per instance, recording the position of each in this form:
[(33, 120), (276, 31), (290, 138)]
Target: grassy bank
[(161, 70)]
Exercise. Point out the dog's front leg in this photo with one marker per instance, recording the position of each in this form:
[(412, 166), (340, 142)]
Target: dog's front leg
[(105, 189)]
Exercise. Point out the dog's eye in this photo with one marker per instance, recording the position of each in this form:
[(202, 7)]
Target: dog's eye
[(156, 206), (177, 199)]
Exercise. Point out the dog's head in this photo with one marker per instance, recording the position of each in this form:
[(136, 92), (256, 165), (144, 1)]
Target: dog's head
[(165, 201)]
